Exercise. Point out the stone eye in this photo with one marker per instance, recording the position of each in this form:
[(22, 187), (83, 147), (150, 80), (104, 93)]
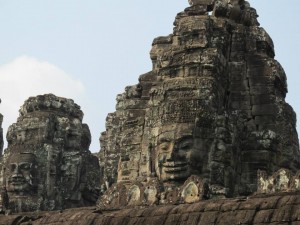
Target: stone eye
[(25, 166), (164, 146), (13, 167), (186, 146)]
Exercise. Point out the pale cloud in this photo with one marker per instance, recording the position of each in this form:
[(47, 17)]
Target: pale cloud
[(26, 76)]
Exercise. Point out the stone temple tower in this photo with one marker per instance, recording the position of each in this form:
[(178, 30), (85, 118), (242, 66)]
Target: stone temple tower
[(211, 110), (47, 164)]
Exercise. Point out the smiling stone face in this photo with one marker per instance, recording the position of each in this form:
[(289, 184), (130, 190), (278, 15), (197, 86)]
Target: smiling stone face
[(178, 154), (47, 164), (21, 174)]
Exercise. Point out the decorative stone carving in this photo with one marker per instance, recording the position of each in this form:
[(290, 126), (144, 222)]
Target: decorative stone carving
[(124, 194), (152, 192), (236, 10), (21, 173), (213, 106), (282, 180), (178, 153), (134, 194), (194, 189), (115, 197), (47, 164)]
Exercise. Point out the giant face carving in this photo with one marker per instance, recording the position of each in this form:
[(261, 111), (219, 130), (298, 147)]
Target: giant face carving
[(73, 132), (47, 164), (178, 153), (20, 173)]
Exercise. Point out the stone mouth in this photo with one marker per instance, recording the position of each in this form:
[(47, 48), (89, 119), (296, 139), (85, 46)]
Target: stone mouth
[(17, 181), (175, 167)]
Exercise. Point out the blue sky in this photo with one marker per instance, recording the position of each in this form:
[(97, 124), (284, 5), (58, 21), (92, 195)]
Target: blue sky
[(89, 50)]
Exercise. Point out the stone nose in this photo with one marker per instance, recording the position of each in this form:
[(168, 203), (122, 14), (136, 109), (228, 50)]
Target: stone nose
[(172, 153), (16, 172)]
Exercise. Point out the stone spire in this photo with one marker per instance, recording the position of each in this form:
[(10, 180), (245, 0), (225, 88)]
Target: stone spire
[(212, 112)]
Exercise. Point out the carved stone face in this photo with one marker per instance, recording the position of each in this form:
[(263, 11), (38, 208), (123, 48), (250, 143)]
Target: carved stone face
[(21, 173), (73, 129), (178, 153)]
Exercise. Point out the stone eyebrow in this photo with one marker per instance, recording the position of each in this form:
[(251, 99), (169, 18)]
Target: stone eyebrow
[(185, 138), (23, 163), (163, 139)]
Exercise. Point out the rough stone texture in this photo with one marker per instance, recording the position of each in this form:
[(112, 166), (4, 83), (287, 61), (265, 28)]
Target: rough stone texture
[(276, 210), (207, 120), (281, 181), (213, 107), (1, 133), (3, 194), (47, 164)]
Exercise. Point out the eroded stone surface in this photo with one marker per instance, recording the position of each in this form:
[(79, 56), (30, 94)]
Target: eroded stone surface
[(47, 164), (280, 209), (1, 133), (213, 106), (282, 180)]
